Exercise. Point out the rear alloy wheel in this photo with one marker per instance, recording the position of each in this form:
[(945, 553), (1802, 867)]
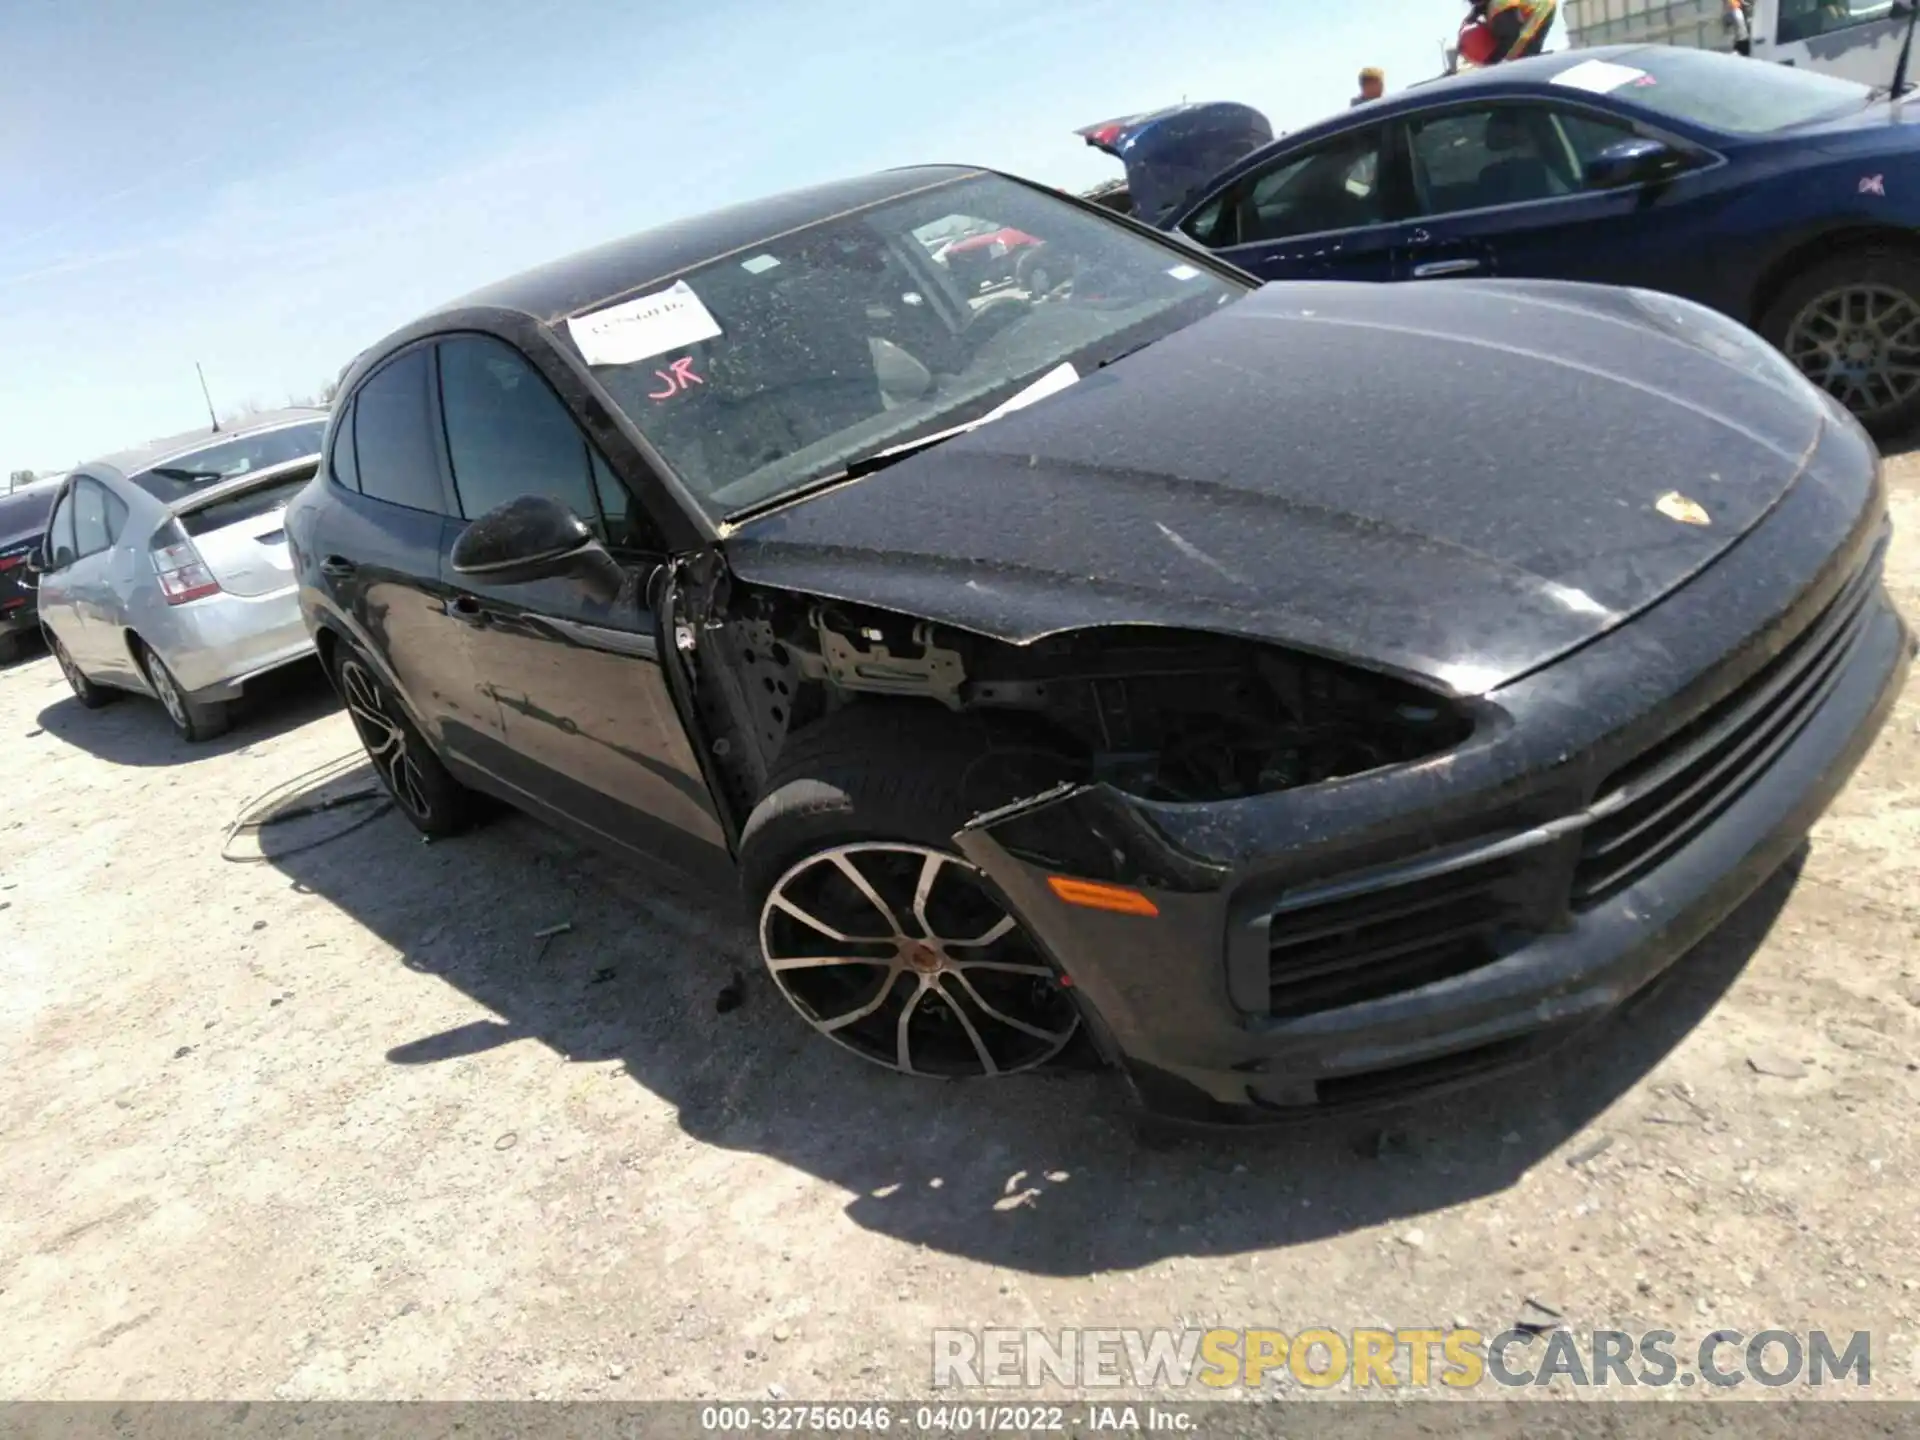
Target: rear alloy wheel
[(900, 953), (195, 720), (1852, 326), (422, 788), (90, 695)]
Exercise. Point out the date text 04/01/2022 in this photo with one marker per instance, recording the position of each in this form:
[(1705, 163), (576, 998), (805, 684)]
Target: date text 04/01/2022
[(942, 1419)]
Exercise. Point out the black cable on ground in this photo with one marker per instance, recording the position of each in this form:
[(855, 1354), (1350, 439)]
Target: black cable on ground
[(319, 774)]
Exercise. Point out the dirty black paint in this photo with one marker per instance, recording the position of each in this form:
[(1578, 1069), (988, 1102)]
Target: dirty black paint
[(1454, 482), (1457, 484)]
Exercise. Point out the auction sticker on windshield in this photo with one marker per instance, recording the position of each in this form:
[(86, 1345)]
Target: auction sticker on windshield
[(670, 319), (1599, 77)]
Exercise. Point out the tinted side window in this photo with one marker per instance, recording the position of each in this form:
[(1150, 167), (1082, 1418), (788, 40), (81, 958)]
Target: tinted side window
[(393, 435), (1213, 223), (1587, 135), (1334, 187), (89, 519), (1803, 19), (508, 435), (1474, 159), (60, 532), (345, 468)]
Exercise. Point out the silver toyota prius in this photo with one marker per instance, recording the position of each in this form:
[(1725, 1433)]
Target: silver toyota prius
[(164, 570)]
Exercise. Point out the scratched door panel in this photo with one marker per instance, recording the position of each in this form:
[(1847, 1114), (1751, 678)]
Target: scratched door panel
[(590, 733), (591, 730)]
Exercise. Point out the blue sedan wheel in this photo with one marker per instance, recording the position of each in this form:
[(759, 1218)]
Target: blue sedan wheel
[(1852, 326)]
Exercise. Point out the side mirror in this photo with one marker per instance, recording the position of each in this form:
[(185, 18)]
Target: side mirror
[(1633, 162), (37, 561), (535, 538)]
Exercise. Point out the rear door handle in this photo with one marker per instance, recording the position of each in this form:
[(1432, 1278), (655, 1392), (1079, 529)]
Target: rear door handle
[(1433, 269), (466, 610), (335, 567)]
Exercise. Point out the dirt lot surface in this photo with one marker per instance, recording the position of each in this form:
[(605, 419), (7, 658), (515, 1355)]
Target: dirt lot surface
[(340, 1123)]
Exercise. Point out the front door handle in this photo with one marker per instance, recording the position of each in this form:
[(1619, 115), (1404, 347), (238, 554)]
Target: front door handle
[(1433, 269), (466, 610), (335, 567)]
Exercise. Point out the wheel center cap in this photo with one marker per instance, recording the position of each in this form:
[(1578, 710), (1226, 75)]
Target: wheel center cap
[(922, 959)]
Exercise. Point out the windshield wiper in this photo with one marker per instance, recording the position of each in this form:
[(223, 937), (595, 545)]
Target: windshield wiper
[(1123, 354), (1055, 380), (185, 476), (1051, 383)]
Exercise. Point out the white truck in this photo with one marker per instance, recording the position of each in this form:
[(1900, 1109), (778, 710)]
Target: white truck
[(1856, 39)]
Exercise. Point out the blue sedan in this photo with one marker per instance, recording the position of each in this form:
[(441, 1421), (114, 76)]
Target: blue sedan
[(1786, 199)]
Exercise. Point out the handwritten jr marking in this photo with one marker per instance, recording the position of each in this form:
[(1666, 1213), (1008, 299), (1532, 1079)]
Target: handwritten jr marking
[(676, 379)]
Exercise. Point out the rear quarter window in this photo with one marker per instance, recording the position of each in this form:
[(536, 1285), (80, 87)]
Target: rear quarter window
[(393, 435), (346, 469)]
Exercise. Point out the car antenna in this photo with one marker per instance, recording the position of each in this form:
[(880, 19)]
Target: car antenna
[(1899, 86), (207, 396)]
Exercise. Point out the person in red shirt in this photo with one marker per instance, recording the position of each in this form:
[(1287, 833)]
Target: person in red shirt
[(1518, 27)]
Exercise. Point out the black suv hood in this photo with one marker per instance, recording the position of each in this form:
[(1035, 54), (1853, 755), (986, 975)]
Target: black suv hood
[(1453, 481)]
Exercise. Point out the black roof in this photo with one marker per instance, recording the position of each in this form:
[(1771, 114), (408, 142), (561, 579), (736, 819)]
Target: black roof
[(613, 271)]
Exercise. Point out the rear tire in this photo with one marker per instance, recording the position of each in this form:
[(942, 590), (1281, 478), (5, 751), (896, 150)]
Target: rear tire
[(929, 973), (421, 787), (90, 695), (1851, 324), (9, 648), (195, 721)]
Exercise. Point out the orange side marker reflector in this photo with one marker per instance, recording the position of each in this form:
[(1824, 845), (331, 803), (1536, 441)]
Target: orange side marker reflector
[(1092, 895)]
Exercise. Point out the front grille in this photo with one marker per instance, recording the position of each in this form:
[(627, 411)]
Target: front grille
[(1673, 791), (1351, 946)]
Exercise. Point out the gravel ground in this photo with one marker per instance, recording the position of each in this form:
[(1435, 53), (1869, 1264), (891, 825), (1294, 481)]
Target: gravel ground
[(340, 1122)]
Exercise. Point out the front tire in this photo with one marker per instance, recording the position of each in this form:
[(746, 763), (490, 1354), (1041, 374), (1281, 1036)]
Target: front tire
[(421, 787), (195, 721), (1851, 324), (878, 932)]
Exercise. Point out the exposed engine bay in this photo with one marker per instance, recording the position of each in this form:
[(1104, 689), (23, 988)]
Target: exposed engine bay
[(1167, 715)]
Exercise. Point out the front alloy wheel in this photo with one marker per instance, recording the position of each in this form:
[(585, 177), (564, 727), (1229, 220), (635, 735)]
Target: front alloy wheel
[(1851, 325), (901, 954), (434, 802), (1861, 344)]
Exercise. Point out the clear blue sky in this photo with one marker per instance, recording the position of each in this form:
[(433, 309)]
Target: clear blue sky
[(267, 187)]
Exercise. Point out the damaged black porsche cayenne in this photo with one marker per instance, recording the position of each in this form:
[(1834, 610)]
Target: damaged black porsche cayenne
[(1104, 656)]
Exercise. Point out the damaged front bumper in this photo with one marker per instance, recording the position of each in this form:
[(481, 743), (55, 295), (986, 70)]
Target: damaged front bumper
[(1404, 931)]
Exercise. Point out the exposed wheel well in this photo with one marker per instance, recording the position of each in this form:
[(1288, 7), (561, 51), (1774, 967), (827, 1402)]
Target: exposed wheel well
[(1167, 714), (1819, 249)]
